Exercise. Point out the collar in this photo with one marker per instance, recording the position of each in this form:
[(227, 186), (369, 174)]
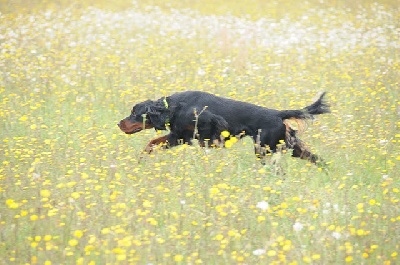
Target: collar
[(167, 124), (165, 102)]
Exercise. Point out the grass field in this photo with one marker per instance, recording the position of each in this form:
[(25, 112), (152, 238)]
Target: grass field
[(72, 188)]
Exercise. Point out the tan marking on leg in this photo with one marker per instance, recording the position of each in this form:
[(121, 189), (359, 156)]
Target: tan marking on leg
[(160, 140)]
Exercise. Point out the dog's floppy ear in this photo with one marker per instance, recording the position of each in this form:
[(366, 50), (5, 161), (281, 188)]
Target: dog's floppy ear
[(158, 114)]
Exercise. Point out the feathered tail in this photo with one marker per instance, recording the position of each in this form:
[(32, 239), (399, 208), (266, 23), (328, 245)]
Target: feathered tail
[(292, 141), (318, 107)]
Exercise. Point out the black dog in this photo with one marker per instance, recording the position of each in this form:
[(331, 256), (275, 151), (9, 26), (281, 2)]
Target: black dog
[(195, 114)]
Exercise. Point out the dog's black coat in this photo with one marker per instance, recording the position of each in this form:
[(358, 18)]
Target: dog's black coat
[(216, 114)]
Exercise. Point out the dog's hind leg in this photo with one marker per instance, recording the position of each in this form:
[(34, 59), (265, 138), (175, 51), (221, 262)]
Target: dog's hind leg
[(299, 148)]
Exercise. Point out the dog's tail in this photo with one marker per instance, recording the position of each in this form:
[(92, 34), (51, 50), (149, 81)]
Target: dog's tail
[(318, 107), (297, 118)]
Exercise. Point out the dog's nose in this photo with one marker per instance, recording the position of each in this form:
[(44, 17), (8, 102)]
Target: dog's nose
[(119, 124)]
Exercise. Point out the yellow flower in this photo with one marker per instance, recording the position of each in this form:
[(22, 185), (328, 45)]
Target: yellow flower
[(152, 221), (219, 237), (225, 134), (79, 261), (73, 242), (121, 257), (260, 218), (105, 231), (160, 240), (360, 232), (307, 259), (12, 204), (34, 244), (89, 248), (118, 250), (214, 190), (178, 258), (78, 233), (228, 143), (287, 247), (34, 217), (75, 195), (45, 193), (147, 204)]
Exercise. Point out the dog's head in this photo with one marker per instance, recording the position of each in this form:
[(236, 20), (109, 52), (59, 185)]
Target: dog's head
[(146, 115)]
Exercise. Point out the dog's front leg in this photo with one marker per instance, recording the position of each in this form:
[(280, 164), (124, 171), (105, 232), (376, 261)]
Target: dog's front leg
[(155, 142)]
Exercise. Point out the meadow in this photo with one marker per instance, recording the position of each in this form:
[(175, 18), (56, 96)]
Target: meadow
[(75, 190)]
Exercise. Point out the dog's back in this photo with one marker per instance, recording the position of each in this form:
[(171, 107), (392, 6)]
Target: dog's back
[(238, 114)]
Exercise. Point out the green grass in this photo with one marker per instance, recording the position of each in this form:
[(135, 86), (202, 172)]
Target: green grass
[(74, 189)]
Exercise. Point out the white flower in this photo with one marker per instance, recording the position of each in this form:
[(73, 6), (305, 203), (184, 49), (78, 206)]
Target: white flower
[(336, 235), (35, 175), (263, 205), (383, 141), (201, 72), (298, 226), (259, 252), (336, 207), (183, 202)]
